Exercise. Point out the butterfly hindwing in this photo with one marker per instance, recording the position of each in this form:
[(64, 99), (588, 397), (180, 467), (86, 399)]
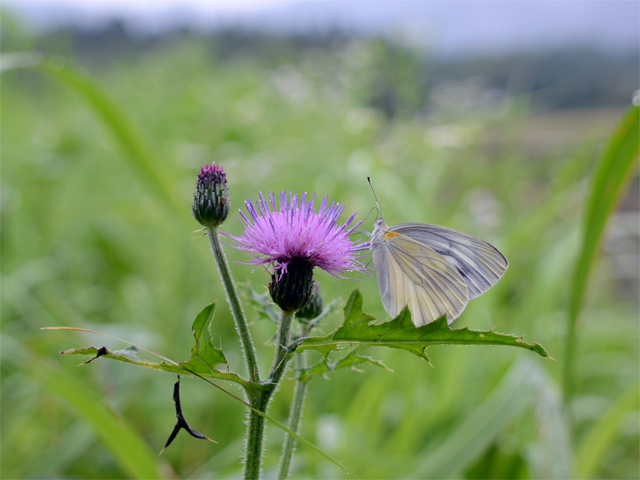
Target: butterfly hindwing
[(478, 262)]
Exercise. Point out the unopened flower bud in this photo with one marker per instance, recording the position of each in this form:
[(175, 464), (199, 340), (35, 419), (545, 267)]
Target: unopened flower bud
[(291, 290), (211, 200), (314, 307)]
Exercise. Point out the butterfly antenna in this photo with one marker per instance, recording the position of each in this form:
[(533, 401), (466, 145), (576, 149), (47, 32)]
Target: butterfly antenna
[(376, 198), (369, 213)]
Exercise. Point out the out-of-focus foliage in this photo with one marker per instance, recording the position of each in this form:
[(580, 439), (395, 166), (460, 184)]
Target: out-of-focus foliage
[(86, 243)]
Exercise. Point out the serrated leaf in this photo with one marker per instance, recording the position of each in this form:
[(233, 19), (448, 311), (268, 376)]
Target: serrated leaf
[(204, 356), (400, 333), (249, 386), (350, 360)]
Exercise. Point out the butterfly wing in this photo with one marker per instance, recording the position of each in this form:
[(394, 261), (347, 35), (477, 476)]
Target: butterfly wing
[(478, 262), (412, 273)]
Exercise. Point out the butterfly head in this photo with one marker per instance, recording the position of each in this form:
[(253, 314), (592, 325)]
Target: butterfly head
[(379, 229), (379, 224)]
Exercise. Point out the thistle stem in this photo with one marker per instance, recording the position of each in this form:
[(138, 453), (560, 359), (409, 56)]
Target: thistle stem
[(234, 303), (255, 438), (255, 435), (280, 355), (290, 442)]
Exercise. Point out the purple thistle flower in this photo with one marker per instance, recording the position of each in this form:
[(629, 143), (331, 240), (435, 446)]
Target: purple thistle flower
[(276, 237)]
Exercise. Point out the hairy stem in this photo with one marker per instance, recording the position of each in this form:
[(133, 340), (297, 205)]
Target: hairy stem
[(290, 442), (255, 435), (255, 438), (234, 303), (280, 355)]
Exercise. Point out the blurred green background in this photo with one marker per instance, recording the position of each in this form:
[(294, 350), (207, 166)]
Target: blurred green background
[(479, 144)]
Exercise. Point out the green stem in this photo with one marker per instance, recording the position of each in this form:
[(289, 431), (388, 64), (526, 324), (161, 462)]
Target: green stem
[(255, 435), (234, 303), (290, 442), (255, 438), (280, 355)]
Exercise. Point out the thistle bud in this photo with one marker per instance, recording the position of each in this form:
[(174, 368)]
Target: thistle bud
[(211, 200), (314, 307), (291, 290)]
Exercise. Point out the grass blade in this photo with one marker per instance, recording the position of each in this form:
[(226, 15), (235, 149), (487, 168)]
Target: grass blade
[(609, 178), (601, 437), (137, 152), (129, 449), (133, 454), (515, 391)]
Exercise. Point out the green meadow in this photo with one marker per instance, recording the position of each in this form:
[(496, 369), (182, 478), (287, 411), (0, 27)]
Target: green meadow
[(100, 155)]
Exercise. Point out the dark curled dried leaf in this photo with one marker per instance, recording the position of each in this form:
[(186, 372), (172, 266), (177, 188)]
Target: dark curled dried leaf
[(181, 423)]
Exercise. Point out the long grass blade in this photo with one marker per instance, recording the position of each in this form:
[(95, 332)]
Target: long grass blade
[(514, 392), (138, 153), (129, 449), (609, 178), (601, 437), (132, 453)]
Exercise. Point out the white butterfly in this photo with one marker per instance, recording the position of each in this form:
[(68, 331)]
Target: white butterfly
[(434, 270)]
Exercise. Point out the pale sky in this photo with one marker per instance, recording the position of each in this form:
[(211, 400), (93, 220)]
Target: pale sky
[(457, 25), (137, 6)]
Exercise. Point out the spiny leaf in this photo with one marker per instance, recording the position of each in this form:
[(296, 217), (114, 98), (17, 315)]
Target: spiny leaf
[(350, 360), (204, 356), (400, 333), (247, 385)]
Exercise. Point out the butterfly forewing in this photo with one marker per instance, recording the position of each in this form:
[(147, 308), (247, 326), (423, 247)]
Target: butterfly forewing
[(478, 262), (412, 273)]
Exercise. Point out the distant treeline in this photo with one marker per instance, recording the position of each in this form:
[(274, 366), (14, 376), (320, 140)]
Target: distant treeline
[(403, 75)]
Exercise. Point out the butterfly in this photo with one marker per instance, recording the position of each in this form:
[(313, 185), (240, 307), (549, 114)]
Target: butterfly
[(431, 269)]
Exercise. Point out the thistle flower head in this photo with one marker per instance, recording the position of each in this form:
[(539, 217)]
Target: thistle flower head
[(276, 236), (211, 200), (293, 239)]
